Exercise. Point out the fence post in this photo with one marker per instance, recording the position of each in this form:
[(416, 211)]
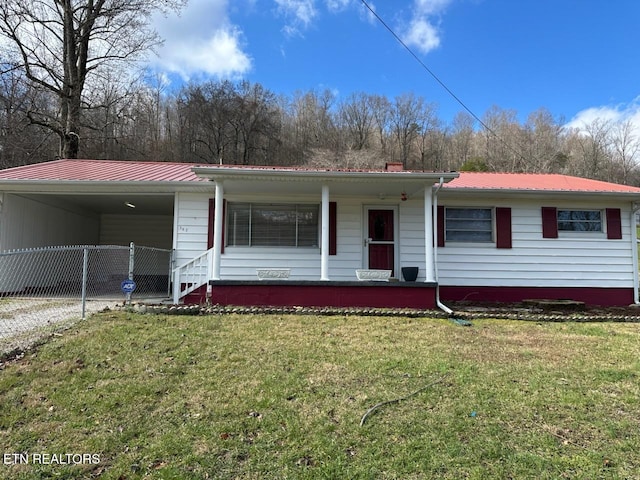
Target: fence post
[(131, 259), (85, 276), (132, 252)]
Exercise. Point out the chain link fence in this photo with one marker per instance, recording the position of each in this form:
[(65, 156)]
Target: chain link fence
[(45, 289)]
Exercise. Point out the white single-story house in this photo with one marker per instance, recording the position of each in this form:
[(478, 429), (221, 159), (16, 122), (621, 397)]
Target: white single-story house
[(245, 235)]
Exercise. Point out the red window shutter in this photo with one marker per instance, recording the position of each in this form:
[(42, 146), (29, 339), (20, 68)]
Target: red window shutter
[(212, 215), (549, 222), (503, 227), (440, 226), (614, 224), (333, 228)]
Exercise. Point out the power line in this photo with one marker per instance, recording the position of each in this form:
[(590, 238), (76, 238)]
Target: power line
[(440, 82)]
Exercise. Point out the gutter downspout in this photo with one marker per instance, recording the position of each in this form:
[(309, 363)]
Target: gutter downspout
[(635, 208), (434, 194)]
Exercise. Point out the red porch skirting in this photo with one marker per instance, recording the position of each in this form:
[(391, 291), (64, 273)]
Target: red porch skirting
[(289, 293), (588, 295)]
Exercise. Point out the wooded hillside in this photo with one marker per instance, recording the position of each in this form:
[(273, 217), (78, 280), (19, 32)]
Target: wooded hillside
[(245, 123)]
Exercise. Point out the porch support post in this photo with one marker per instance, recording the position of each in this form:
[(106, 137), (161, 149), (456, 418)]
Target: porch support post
[(324, 246), (429, 216), (217, 231)]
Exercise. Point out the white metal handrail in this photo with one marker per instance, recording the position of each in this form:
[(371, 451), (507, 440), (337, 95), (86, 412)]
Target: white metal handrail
[(191, 275)]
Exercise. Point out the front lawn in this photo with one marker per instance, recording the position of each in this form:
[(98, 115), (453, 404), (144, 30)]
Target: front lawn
[(125, 396)]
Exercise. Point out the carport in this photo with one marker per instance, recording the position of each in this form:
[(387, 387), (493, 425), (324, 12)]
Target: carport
[(92, 202)]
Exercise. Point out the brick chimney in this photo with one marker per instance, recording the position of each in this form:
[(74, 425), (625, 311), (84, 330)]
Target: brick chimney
[(393, 167)]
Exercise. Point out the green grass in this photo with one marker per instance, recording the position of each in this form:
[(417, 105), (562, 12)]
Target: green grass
[(261, 397)]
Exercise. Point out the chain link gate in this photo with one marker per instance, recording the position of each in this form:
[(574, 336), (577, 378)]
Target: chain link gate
[(42, 289)]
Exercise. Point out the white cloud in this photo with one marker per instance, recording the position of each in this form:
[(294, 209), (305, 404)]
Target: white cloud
[(338, 5), (300, 14), (366, 14), (423, 35), (422, 31), (201, 40), (430, 7), (615, 114)]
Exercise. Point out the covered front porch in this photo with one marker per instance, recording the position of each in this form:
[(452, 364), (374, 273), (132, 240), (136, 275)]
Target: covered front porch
[(363, 221)]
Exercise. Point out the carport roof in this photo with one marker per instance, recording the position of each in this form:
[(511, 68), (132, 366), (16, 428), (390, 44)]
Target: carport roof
[(102, 171)]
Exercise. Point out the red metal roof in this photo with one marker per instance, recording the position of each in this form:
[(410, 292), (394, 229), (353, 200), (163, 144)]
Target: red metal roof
[(134, 171), (548, 182), (131, 171), (102, 171)]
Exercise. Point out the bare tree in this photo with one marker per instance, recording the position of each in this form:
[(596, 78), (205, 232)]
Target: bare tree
[(431, 138), (405, 115), (357, 119), (61, 44), (205, 113), (381, 108), (592, 144), (20, 142), (626, 146), (541, 141), (462, 135), (501, 150), (256, 123)]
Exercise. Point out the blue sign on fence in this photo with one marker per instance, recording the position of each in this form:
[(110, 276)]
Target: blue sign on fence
[(128, 286)]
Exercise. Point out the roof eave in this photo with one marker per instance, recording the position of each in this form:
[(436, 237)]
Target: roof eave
[(92, 186), (222, 173)]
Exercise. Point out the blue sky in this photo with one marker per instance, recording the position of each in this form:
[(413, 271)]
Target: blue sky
[(576, 58)]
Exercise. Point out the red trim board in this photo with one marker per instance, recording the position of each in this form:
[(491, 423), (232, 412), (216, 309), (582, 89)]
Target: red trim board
[(588, 295), (324, 294)]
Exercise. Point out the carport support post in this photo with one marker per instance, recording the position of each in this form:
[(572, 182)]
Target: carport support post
[(217, 231)]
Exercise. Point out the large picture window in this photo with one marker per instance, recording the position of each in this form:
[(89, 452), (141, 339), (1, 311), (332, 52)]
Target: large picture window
[(468, 224), (580, 220), (272, 225)]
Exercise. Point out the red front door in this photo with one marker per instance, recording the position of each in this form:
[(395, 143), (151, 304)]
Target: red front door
[(381, 242)]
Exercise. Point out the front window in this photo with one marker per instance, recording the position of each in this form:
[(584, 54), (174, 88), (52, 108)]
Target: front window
[(272, 225), (580, 220), (468, 224)]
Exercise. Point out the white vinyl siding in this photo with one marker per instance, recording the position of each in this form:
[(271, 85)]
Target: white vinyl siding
[(30, 223), (569, 261), (191, 215)]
